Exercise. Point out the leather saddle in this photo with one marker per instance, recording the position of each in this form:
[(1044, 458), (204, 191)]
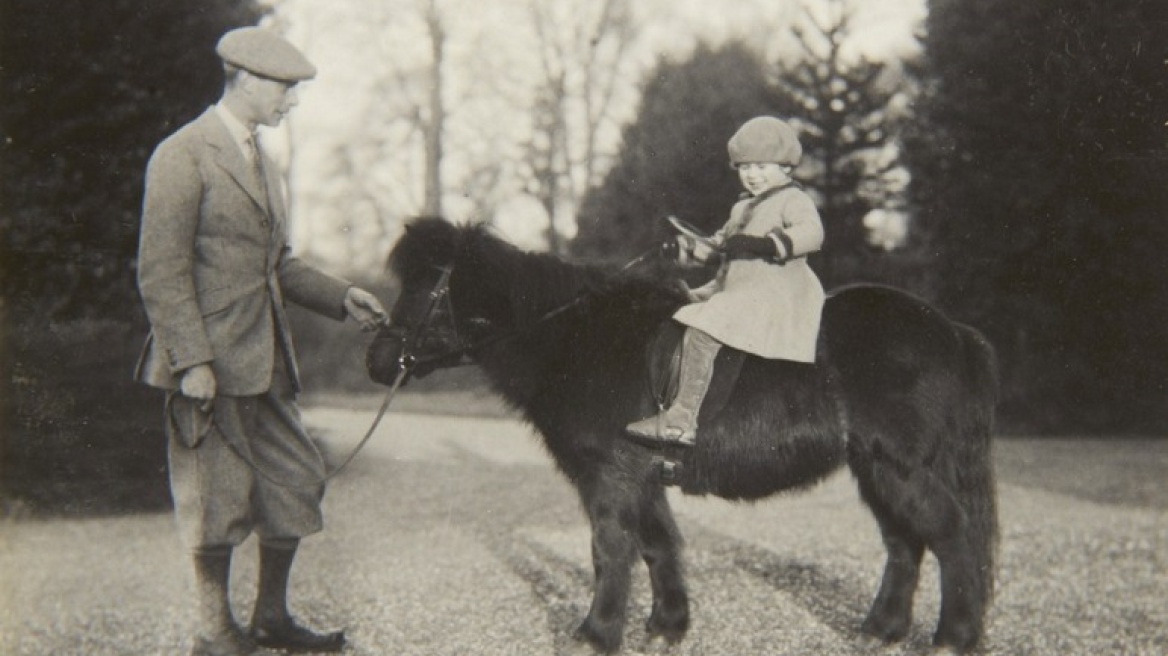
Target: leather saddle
[(663, 357)]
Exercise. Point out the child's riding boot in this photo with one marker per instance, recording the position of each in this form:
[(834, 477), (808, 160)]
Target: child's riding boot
[(679, 423)]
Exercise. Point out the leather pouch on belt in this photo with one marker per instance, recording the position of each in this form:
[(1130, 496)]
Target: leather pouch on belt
[(186, 423)]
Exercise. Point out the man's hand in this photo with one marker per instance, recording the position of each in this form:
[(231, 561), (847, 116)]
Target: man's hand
[(365, 309), (198, 383)]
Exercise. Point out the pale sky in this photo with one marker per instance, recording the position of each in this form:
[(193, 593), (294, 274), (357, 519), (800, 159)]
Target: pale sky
[(351, 41)]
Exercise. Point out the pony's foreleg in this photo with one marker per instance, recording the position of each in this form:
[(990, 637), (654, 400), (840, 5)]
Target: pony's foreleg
[(660, 544), (614, 523), (891, 614)]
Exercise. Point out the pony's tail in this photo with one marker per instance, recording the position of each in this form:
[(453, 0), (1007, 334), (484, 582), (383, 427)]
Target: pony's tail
[(976, 486)]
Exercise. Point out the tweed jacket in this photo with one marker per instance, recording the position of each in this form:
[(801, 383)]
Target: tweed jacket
[(214, 266), (767, 308)]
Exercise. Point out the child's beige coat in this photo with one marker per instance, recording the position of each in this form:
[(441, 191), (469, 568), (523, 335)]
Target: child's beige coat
[(760, 306)]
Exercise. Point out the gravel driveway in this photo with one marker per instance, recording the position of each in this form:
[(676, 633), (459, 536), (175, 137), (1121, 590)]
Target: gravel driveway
[(456, 536)]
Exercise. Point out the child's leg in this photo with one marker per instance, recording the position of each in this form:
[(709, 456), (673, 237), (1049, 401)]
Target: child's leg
[(678, 424)]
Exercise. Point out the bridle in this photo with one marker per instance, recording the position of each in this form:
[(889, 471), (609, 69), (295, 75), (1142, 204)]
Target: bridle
[(439, 323), (419, 333), (459, 354)]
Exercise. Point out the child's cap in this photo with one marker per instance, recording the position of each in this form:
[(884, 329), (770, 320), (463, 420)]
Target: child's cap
[(765, 139)]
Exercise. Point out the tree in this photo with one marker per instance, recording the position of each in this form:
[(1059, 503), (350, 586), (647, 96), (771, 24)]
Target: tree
[(842, 109), (379, 155), (87, 96), (432, 125), (581, 50), (87, 93), (1038, 171), (674, 160), (408, 111)]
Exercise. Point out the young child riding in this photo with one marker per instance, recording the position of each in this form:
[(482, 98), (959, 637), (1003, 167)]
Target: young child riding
[(765, 299)]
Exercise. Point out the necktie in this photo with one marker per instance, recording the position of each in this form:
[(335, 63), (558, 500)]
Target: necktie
[(257, 169)]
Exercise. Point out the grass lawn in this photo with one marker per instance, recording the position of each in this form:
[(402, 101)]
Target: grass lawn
[(1105, 470)]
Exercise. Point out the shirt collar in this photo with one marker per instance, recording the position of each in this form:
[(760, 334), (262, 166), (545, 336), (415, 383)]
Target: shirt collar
[(235, 127)]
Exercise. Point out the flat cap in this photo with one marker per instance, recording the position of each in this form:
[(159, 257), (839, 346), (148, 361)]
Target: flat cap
[(264, 53)]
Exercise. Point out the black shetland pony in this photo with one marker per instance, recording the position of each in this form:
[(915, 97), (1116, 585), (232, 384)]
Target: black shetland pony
[(900, 393)]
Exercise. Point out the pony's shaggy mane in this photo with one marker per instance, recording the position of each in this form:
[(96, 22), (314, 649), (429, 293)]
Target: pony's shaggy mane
[(535, 283)]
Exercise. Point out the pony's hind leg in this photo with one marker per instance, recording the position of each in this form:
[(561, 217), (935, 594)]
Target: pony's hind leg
[(927, 512), (963, 596), (963, 543), (890, 617), (660, 544), (614, 524)]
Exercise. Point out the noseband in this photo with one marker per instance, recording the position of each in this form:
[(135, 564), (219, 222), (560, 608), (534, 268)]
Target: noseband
[(421, 332), (456, 349)]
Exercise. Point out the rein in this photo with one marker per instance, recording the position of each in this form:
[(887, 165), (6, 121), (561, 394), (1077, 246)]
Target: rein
[(442, 291), (406, 363)]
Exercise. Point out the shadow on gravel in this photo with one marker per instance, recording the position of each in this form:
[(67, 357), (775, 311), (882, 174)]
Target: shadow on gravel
[(838, 603)]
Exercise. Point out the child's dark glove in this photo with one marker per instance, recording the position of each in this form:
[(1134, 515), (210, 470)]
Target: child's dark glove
[(745, 247)]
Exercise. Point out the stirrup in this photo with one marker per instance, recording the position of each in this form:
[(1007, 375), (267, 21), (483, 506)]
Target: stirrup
[(668, 471)]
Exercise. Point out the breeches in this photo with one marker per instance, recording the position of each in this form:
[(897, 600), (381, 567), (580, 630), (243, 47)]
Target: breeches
[(219, 498)]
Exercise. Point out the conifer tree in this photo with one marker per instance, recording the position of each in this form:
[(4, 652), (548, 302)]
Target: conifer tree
[(1038, 167)]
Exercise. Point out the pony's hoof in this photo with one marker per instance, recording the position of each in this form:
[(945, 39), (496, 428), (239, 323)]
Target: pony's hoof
[(885, 630), (658, 644), (670, 631), (869, 644), (963, 639), (598, 641)]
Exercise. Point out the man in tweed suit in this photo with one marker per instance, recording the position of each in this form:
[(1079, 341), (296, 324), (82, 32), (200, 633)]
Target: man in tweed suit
[(214, 272)]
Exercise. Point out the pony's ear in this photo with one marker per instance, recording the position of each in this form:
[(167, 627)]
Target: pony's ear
[(426, 243)]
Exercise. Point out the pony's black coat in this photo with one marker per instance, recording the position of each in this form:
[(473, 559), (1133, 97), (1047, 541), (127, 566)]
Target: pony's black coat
[(900, 393)]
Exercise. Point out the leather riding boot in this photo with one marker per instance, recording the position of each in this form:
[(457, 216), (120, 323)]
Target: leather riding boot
[(271, 624), (679, 423), (218, 634)]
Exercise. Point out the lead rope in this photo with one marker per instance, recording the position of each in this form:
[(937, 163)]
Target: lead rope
[(404, 369), (406, 362), (402, 374)]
